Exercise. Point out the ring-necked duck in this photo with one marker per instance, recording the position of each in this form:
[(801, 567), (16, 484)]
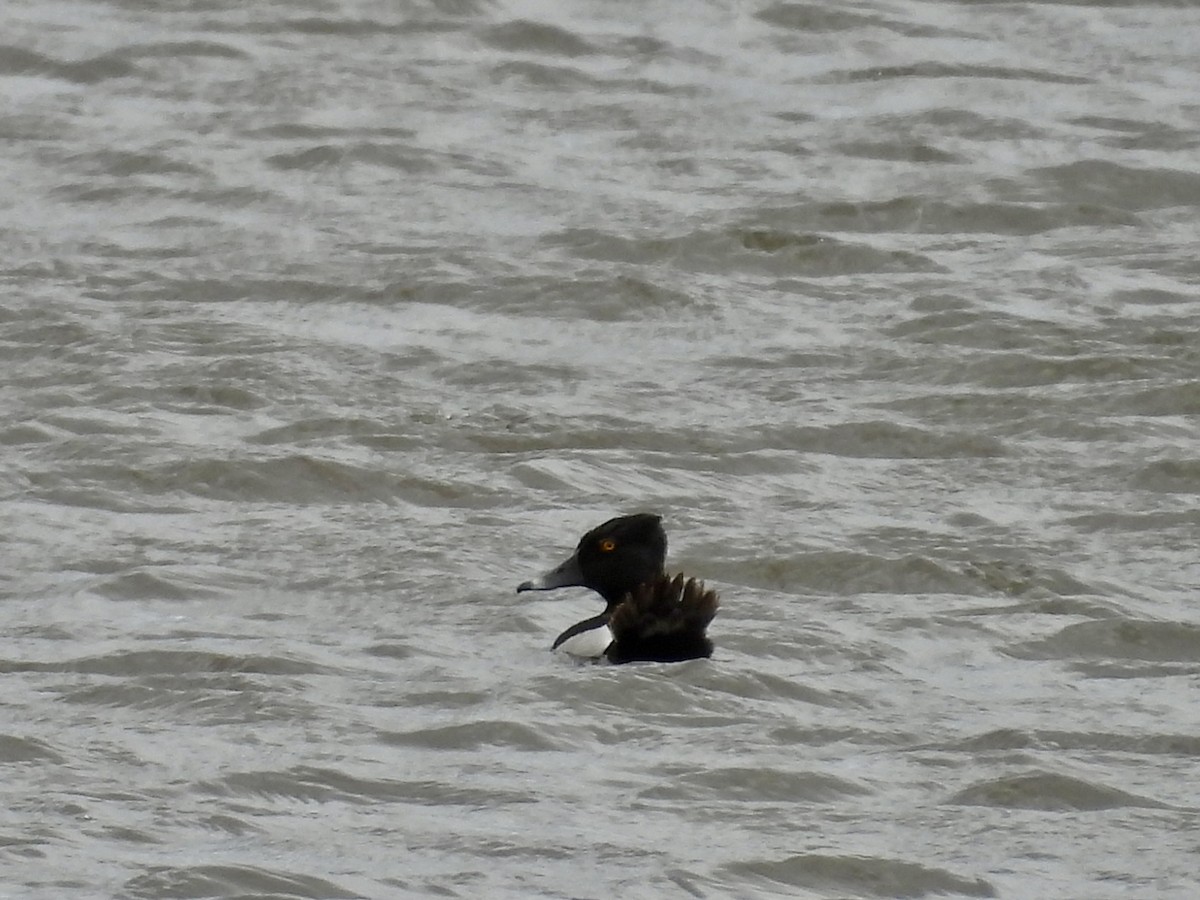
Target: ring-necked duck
[(648, 615)]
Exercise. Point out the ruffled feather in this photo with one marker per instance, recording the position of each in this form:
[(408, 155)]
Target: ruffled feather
[(663, 620)]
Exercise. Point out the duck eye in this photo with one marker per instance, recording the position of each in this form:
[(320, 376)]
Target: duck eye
[(608, 545)]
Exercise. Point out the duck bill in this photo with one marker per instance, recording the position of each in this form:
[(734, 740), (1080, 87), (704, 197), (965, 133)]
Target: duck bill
[(566, 574)]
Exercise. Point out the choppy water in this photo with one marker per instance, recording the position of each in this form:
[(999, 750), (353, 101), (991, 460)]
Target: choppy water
[(324, 324)]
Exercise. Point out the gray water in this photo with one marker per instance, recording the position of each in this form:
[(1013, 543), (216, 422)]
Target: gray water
[(324, 324)]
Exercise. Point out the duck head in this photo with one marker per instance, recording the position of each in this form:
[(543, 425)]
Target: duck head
[(611, 559)]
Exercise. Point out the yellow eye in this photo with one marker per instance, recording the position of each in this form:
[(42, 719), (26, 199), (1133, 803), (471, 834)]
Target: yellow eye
[(608, 545)]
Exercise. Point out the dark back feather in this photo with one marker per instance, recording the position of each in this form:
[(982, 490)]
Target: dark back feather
[(663, 620)]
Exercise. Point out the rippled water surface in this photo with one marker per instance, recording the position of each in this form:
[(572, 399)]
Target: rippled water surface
[(324, 324)]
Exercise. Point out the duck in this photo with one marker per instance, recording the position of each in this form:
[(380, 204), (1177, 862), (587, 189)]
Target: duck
[(649, 616)]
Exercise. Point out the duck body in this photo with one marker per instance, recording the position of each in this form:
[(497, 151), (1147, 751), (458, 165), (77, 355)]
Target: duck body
[(648, 616)]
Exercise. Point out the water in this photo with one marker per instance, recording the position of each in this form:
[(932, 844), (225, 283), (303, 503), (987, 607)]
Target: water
[(325, 324)]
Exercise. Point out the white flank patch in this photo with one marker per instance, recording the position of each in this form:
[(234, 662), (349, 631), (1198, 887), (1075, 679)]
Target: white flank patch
[(591, 644)]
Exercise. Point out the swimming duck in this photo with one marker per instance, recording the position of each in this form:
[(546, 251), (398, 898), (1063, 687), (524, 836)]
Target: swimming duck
[(648, 615)]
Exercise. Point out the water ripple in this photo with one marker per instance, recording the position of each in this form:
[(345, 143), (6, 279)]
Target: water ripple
[(1049, 791), (864, 876), (227, 881)]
